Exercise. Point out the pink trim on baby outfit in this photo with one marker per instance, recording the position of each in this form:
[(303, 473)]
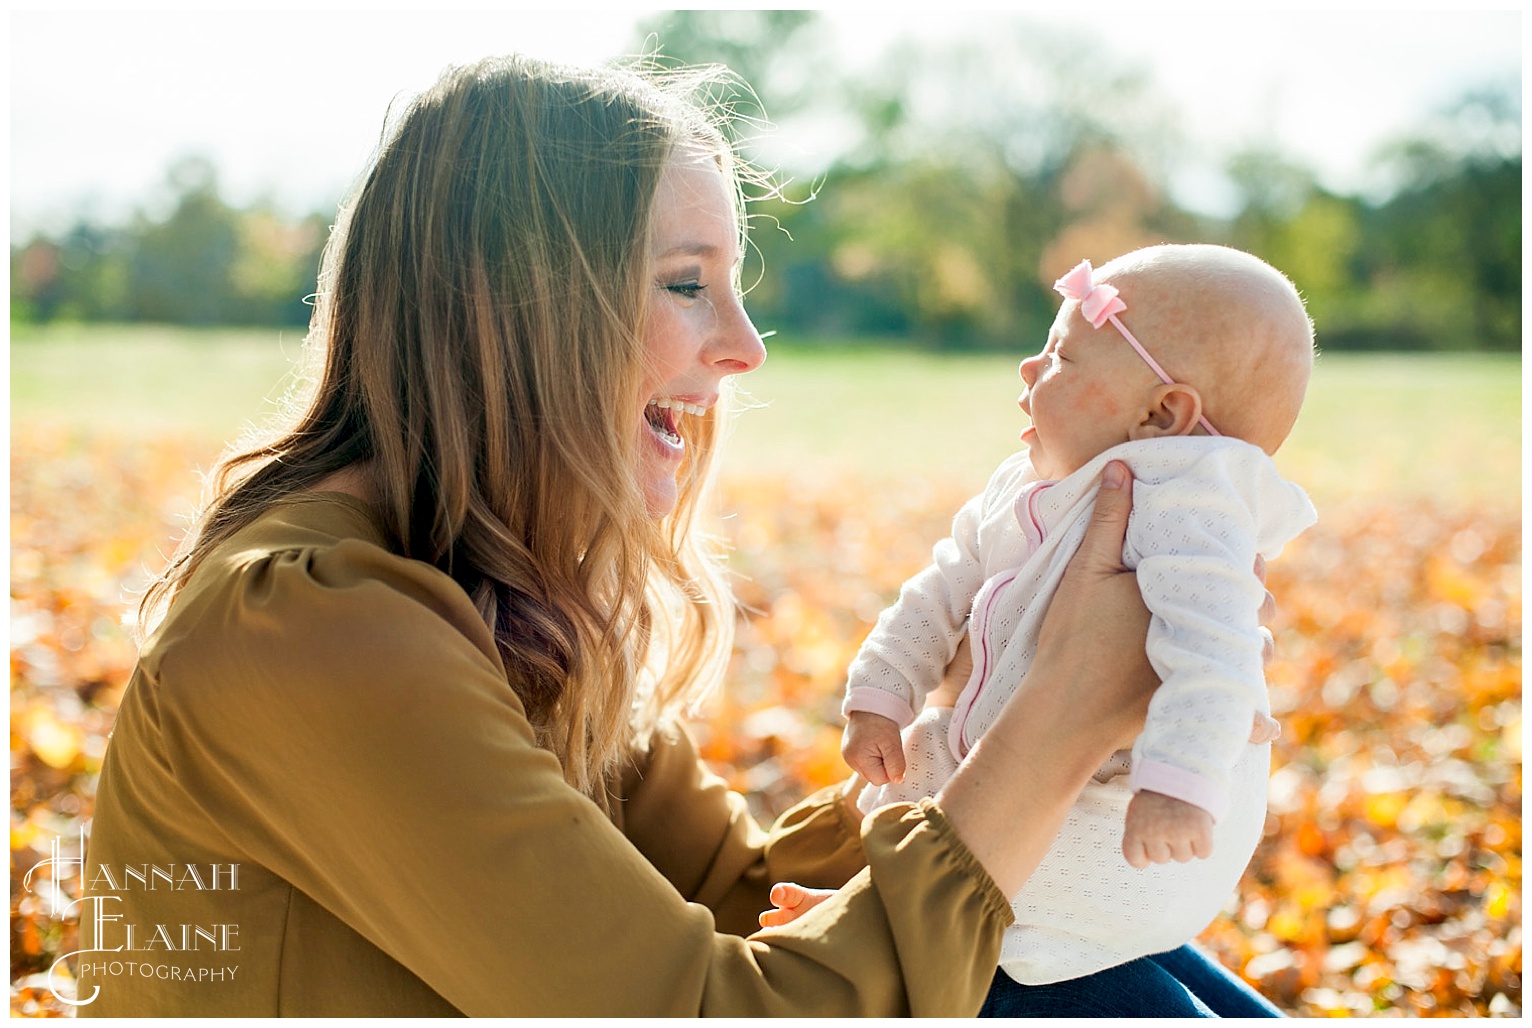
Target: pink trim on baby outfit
[(981, 659), (1032, 529), (1180, 784), (1099, 304), (878, 701), (1032, 526)]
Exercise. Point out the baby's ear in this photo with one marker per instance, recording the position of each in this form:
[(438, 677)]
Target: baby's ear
[(1172, 410)]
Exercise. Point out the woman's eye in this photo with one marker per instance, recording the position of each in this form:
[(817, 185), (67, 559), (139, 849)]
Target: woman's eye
[(690, 290)]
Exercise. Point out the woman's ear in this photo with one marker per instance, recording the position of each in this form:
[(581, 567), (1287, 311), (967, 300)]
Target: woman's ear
[(1172, 410)]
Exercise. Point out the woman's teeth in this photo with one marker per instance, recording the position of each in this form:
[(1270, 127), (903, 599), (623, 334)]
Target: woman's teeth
[(680, 405), (662, 414)]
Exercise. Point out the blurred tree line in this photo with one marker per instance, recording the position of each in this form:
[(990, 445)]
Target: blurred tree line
[(966, 178), (199, 262)]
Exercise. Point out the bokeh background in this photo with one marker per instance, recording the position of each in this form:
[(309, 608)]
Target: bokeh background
[(173, 177)]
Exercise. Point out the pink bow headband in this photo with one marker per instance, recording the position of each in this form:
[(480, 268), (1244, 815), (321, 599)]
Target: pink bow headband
[(1100, 304)]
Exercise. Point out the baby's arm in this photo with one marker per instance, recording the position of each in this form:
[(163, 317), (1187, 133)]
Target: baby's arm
[(1161, 828), (790, 902), (908, 650), (1198, 536), (918, 640), (874, 747)]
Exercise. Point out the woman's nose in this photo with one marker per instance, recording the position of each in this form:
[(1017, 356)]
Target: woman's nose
[(739, 346)]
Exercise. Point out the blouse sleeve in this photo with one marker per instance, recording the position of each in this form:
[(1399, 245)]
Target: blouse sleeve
[(699, 834), (342, 713)]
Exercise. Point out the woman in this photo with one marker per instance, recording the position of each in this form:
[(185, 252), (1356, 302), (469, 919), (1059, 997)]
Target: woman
[(404, 739)]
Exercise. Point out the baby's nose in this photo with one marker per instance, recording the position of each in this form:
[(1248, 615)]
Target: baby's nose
[(1028, 370)]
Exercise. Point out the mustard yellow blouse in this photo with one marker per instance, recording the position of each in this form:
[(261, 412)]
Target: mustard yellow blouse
[(322, 798)]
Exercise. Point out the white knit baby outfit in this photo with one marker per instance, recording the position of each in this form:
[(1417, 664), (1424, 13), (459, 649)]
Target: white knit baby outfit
[(1203, 507)]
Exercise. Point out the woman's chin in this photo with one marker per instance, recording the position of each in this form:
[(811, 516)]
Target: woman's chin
[(659, 463), (660, 498)]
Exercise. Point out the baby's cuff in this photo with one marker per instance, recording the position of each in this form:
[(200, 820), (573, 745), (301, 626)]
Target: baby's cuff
[(1178, 783), (876, 701)]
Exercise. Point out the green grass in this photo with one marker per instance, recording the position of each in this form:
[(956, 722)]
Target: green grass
[(141, 380), (1373, 425), (1428, 424)]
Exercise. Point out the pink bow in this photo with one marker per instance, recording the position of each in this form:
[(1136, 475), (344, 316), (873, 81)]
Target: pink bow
[(1097, 303), (1100, 304)]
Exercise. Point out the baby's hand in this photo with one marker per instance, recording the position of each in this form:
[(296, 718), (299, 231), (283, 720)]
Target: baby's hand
[(871, 745), (1160, 829), (792, 902)]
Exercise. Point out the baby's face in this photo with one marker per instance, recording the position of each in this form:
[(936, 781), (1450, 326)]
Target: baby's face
[(1085, 392)]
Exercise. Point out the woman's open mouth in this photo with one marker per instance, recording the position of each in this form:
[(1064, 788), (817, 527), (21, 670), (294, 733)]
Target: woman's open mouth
[(663, 416)]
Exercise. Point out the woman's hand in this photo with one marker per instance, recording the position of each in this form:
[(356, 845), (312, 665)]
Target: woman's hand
[(1266, 613), (850, 792), (961, 668), (1085, 696), (1098, 614), (1092, 638), (958, 672)]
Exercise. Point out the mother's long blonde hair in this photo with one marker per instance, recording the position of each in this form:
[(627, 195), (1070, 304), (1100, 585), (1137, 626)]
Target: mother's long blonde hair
[(479, 308)]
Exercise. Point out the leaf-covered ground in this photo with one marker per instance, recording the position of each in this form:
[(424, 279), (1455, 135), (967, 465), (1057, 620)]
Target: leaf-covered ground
[(1389, 881)]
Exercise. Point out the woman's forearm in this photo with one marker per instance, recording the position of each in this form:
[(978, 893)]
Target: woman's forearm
[(1014, 789)]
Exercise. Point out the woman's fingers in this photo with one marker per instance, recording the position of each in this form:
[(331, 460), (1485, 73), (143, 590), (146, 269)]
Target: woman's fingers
[(1268, 602), (1264, 729), (788, 894), (958, 671), (791, 901), (850, 793), (786, 898), (1093, 634), (1101, 549)]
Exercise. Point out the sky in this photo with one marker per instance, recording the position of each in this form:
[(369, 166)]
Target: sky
[(289, 104)]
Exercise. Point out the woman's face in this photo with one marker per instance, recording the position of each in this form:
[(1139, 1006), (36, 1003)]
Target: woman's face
[(697, 331)]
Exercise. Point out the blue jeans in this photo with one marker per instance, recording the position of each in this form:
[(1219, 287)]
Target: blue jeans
[(1181, 983)]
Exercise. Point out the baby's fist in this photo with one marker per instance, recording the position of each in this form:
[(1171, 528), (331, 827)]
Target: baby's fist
[(1160, 829), (873, 748)]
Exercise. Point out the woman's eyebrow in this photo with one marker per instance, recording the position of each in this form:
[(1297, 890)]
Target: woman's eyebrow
[(689, 250), (705, 251)]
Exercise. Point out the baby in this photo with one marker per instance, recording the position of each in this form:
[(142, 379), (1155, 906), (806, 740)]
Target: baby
[(1197, 421)]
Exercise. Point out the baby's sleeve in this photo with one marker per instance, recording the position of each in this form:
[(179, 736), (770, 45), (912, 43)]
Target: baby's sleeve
[(1196, 537), (907, 653)]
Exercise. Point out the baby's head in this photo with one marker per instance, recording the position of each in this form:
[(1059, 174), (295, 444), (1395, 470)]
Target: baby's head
[(1227, 329)]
